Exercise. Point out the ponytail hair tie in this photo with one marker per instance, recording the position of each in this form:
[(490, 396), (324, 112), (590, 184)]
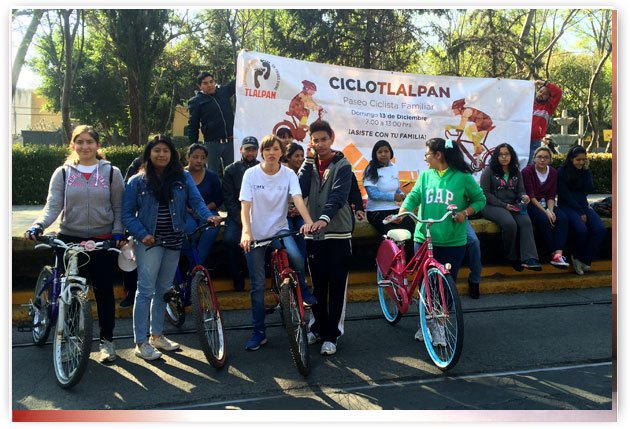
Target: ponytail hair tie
[(448, 144)]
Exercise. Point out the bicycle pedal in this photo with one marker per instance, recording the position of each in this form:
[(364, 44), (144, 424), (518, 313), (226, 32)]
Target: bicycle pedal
[(25, 327)]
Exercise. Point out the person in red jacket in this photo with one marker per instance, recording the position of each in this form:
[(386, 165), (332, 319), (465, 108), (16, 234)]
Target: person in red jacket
[(546, 101)]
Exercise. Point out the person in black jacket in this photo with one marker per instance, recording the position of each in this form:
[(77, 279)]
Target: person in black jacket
[(210, 109), (231, 185)]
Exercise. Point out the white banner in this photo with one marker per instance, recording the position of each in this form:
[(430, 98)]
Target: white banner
[(364, 106)]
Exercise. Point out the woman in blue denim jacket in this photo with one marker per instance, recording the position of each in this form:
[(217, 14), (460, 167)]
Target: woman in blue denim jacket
[(154, 213)]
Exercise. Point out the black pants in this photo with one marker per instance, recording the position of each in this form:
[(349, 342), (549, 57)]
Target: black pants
[(100, 271), (330, 264), (376, 220)]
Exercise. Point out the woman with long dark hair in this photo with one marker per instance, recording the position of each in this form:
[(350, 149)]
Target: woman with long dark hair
[(89, 191), (502, 183), (154, 213), (575, 182), (381, 183)]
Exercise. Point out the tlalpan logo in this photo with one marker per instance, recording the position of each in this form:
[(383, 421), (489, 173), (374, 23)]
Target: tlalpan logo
[(261, 79)]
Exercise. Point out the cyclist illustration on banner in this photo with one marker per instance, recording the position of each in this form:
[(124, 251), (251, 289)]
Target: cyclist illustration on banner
[(476, 133), (299, 111)]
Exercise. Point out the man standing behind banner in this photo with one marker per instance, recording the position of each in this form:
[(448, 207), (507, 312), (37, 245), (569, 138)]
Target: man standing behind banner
[(546, 101), (211, 110), (326, 178)]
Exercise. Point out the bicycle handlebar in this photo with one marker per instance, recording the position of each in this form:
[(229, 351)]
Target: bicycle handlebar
[(265, 241), (451, 210), (87, 246)]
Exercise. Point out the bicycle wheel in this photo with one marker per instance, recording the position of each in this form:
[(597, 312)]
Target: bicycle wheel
[(40, 307), (443, 324), (175, 313), (295, 326), (387, 298), (73, 339), (208, 319)]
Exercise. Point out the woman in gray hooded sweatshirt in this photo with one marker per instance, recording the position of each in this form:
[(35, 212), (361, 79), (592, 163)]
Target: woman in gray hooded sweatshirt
[(89, 191)]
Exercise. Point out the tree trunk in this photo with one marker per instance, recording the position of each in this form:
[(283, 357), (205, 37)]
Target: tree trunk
[(590, 108), (20, 56), (67, 78), (135, 132)]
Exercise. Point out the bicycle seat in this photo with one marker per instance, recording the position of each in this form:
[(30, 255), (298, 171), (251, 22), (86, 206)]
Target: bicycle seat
[(399, 234)]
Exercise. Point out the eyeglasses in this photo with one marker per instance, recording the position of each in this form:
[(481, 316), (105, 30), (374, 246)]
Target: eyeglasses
[(504, 155), (542, 157)]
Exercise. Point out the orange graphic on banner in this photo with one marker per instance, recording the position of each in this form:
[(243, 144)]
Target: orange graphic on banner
[(359, 164)]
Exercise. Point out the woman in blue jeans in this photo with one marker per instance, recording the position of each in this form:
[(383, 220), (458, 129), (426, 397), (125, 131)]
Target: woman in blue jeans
[(264, 197), (154, 213), (575, 182)]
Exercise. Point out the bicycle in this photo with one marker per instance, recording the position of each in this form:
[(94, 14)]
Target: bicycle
[(477, 163), (285, 287), (193, 287), (61, 300), (441, 318)]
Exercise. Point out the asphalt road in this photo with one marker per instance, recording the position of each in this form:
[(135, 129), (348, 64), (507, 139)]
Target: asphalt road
[(527, 351)]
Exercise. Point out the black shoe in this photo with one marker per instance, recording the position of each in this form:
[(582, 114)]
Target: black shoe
[(517, 266), (532, 264), (128, 301), (473, 290), (239, 283)]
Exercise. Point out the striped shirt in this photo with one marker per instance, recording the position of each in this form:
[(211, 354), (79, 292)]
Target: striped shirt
[(164, 229)]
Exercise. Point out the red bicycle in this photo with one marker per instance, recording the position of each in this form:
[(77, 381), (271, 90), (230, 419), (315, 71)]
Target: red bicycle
[(441, 319), (285, 286)]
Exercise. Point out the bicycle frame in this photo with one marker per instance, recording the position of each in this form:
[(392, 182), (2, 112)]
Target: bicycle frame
[(282, 270)]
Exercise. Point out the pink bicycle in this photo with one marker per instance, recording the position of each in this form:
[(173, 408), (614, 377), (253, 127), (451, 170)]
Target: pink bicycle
[(441, 318)]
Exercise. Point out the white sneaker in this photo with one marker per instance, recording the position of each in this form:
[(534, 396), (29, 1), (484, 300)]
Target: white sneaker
[(577, 266), (418, 335), (328, 348), (438, 337), (147, 352), (163, 343), (108, 351), (312, 338)]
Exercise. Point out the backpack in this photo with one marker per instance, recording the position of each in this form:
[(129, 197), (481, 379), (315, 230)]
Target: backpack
[(603, 208)]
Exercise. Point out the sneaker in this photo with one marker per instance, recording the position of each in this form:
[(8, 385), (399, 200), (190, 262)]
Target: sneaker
[(577, 266), (312, 338), (147, 352), (517, 266), (163, 343), (437, 331), (258, 339), (532, 264), (108, 352), (418, 335), (559, 261), (328, 348), (127, 301), (308, 299)]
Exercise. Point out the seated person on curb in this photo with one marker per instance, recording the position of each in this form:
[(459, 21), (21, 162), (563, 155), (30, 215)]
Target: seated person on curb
[(264, 198), (575, 182), (541, 183), (502, 184), (209, 187), (231, 186)]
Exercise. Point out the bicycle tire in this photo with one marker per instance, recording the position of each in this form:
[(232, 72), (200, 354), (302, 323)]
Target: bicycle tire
[(41, 306), (443, 356), (208, 319), (388, 303), (175, 312), (72, 342), (295, 326)]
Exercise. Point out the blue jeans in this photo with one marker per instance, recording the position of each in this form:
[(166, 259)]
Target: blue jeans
[(587, 237), (256, 266), (233, 252), (206, 239), (473, 248), (533, 145), (555, 237), (444, 255), (156, 269), (295, 223)]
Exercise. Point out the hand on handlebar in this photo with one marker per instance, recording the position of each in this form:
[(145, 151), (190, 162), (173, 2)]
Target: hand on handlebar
[(318, 225), (33, 233), (215, 220)]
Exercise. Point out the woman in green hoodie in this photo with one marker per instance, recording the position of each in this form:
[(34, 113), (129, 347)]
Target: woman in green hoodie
[(447, 181)]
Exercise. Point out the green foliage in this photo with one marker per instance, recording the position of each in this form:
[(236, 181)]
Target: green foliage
[(602, 166), (33, 165)]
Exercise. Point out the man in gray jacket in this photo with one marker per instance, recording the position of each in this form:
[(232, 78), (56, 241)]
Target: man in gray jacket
[(326, 178)]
